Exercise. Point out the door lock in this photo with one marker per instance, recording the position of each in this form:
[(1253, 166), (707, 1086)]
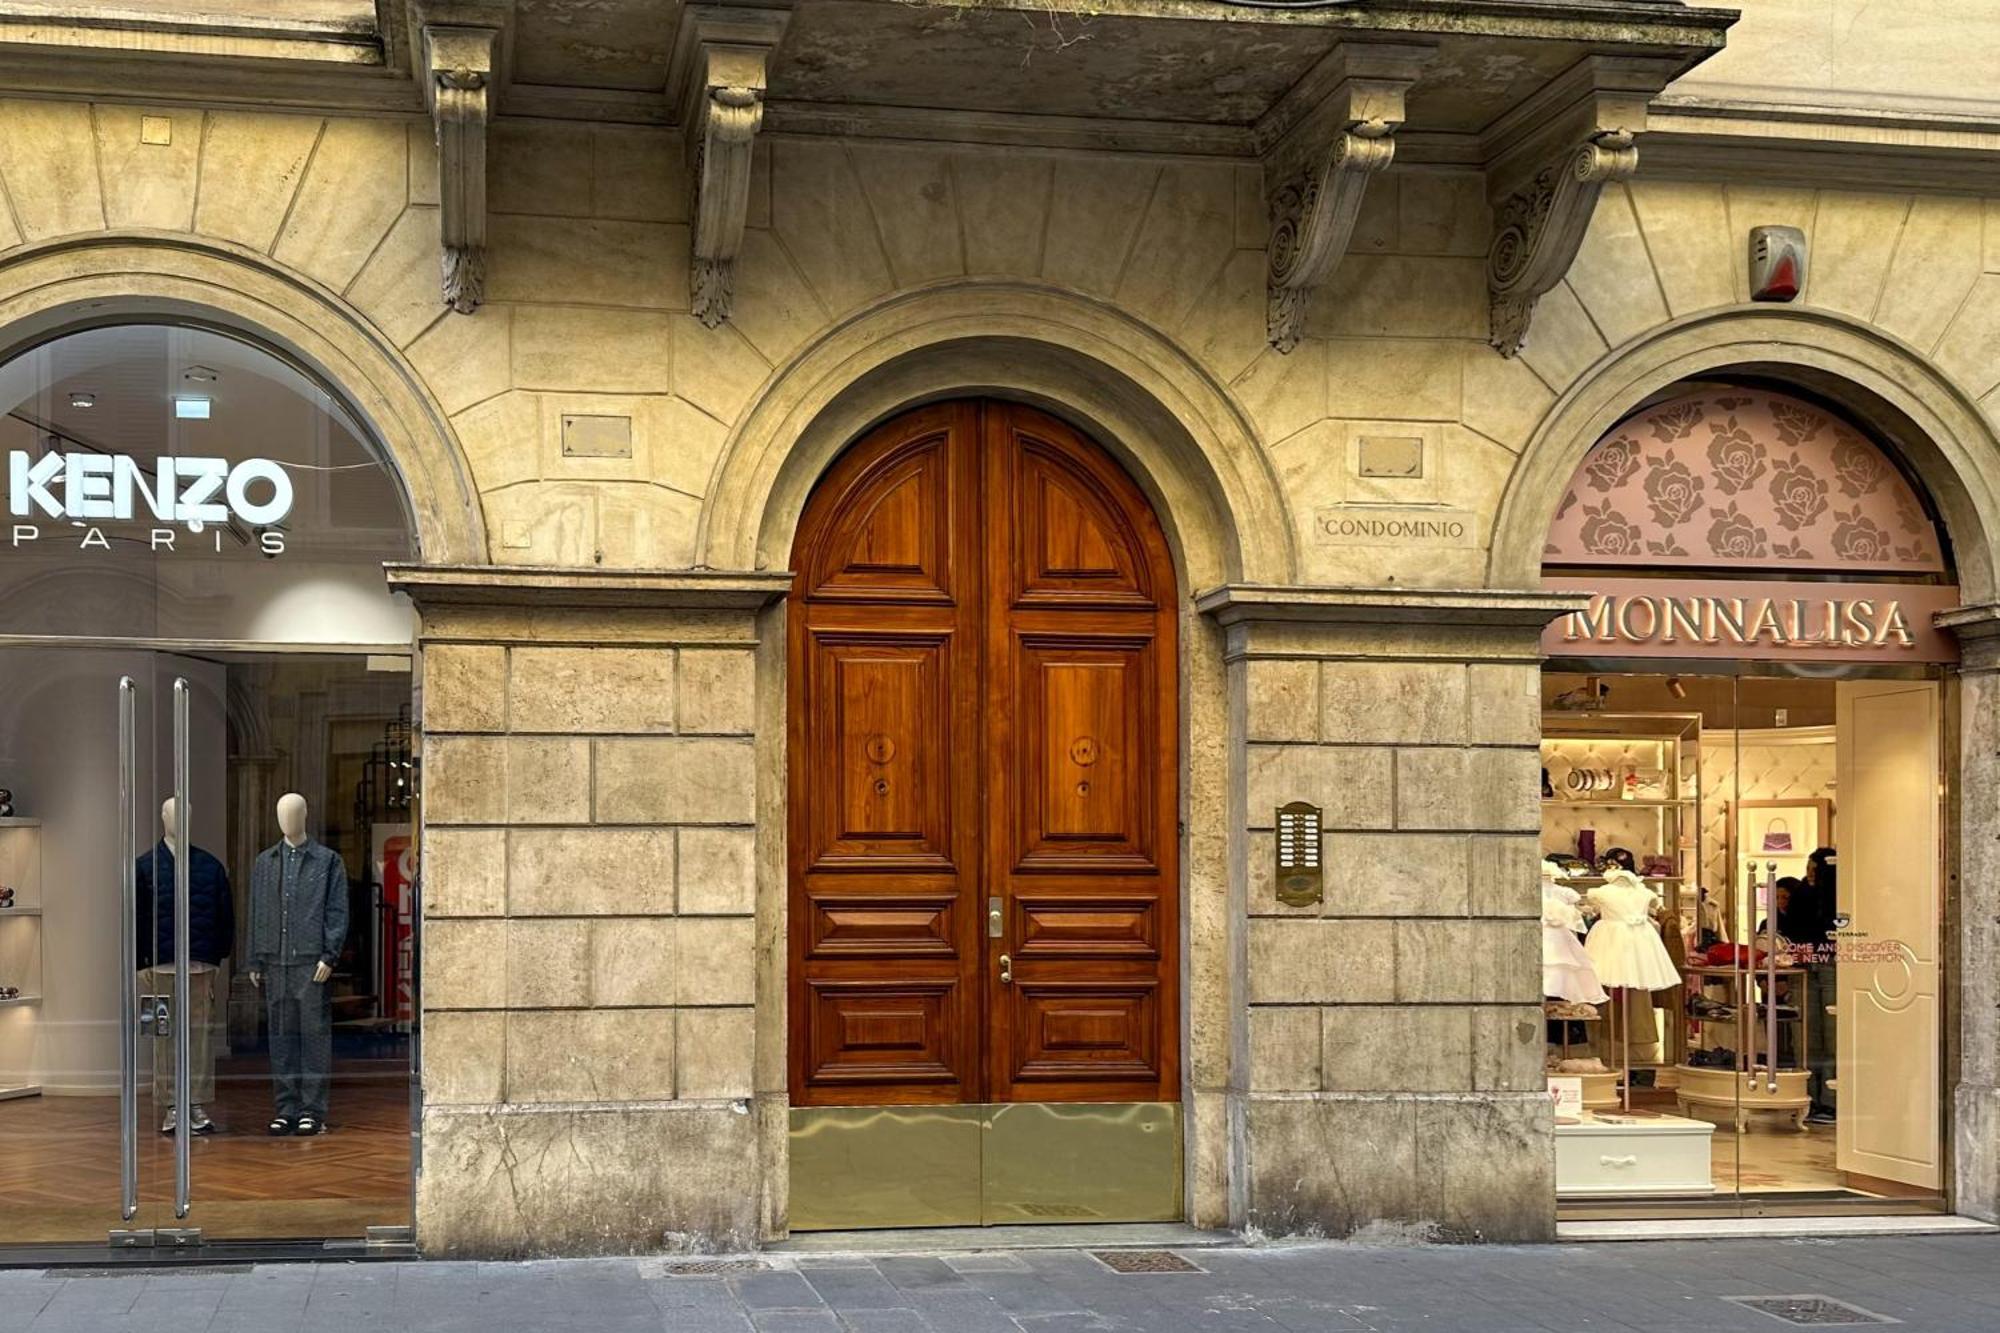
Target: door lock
[(1006, 970), (156, 1016), (996, 922)]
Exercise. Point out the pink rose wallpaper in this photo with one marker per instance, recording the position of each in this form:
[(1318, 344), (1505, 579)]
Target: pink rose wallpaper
[(1741, 477)]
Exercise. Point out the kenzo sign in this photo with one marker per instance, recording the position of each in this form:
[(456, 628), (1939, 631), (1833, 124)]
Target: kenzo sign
[(177, 497)]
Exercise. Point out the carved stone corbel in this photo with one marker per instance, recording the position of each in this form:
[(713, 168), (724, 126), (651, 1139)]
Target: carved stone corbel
[(459, 76), (720, 62), (1548, 160), (1540, 227), (1325, 139)]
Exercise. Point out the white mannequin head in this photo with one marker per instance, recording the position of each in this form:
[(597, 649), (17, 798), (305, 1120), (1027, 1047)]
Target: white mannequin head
[(168, 826), (292, 817)]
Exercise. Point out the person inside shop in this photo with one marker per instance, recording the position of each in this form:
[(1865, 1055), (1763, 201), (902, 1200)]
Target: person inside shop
[(1806, 918), (298, 923), (211, 937)]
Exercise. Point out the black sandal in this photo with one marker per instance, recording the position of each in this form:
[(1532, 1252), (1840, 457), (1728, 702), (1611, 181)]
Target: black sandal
[(279, 1127), (307, 1125)]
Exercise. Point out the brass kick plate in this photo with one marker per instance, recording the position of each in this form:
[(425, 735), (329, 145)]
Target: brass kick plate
[(1018, 1162)]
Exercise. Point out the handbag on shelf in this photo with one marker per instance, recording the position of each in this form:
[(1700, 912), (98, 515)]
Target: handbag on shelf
[(1777, 838)]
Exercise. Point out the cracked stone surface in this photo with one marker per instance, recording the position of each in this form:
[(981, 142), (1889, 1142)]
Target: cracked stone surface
[(1936, 1282)]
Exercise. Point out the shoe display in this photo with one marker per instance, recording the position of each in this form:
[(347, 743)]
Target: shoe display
[(1703, 1007), (1719, 1057)]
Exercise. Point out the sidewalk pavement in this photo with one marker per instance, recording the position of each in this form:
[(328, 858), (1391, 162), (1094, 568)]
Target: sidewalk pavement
[(1925, 1283)]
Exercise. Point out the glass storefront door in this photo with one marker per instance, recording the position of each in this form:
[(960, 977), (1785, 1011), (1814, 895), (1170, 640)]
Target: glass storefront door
[(165, 1034), (1785, 843)]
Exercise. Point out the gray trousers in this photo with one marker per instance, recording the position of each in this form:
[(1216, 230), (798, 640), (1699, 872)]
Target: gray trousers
[(299, 1011), (1822, 990)]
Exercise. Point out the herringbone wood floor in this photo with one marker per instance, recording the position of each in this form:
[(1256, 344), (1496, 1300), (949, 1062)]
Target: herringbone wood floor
[(59, 1163)]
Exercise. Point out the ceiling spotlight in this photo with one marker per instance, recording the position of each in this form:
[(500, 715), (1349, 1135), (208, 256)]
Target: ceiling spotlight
[(189, 407), (200, 374), (83, 400), (1675, 688)]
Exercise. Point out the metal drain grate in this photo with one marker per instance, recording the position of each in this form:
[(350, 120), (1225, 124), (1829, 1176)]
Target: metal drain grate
[(1814, 1311), (149, 1270), (1144, 1261), (716, 1267)]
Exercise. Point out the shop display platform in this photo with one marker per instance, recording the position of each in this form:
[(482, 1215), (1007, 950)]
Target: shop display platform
[(1634, 1153)]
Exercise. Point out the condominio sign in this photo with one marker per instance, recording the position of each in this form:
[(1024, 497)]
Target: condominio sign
[(184, 503), (1833, 622)]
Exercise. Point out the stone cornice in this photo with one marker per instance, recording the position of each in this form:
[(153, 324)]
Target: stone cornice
[(547, 586), (1517, 608)]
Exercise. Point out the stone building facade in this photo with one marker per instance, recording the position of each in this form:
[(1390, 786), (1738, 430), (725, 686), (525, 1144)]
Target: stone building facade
[(735, 238)]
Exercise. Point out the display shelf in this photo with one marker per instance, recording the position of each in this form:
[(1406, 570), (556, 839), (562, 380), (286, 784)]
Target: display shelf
[(17, 821), (20, 999), (20, 911), (21, 956), (23, 1090), (1614, 803)]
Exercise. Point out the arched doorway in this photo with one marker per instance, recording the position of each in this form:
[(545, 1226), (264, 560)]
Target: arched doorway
[(195, 635), (984, 881), (1745, 767)]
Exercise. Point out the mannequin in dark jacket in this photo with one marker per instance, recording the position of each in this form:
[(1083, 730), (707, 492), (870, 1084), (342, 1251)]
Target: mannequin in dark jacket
[(211, 938), (298, 923)]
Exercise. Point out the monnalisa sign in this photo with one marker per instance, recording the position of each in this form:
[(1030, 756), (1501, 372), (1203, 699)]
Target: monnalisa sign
[(75, 496), (1835, 622)]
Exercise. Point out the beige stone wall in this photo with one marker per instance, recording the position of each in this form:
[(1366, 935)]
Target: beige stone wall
[(589, 965), (591, 955), (1404, 1012)]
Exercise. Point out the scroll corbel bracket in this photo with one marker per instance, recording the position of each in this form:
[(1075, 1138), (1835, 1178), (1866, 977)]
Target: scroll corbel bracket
[(459, 79), (729, 116), (1540, 227), (1313, 211)]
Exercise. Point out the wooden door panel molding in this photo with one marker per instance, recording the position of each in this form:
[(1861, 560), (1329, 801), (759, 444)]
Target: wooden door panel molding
[(982, 637), (1093, 925), (867, 1036), (874, 924), (1088, 755), (892, 541), (1087, 1034), (1074, 545), (875, 702)]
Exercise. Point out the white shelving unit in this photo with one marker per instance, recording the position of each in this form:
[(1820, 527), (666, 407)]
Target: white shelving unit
[(20, 956)]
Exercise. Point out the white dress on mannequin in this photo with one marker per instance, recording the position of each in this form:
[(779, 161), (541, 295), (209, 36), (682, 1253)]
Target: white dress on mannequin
[(1567, 973), (1625, 946)]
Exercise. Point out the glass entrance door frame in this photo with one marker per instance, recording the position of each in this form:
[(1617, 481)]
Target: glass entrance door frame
[(144, 1015), (1756, 969)]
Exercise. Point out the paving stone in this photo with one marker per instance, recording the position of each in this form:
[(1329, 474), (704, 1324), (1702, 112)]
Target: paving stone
[(912, 1272), (775, 1291)]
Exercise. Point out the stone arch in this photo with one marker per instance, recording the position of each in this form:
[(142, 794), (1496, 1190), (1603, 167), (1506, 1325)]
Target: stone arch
[(54, 287), (1172, 425), (1937, 428), (1195, 455)]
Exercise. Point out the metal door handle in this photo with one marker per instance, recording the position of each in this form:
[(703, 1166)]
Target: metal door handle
[(1006, 970), (1771, 977), (183, 857), (128, 992)]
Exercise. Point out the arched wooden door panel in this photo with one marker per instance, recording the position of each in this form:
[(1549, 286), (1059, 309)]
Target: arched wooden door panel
[(984, 877)]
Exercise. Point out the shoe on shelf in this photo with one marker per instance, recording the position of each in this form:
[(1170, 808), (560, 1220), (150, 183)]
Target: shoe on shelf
[(198, 1121), (168, 1125)]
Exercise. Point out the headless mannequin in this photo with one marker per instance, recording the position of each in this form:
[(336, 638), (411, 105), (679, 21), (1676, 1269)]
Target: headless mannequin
[(291, 823)]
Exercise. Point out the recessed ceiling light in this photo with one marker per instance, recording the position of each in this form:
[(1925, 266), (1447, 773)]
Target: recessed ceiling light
[(199, 373), (190, 408), (83, 400)]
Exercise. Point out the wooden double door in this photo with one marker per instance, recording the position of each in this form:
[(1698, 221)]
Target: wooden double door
[(983, 797)]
